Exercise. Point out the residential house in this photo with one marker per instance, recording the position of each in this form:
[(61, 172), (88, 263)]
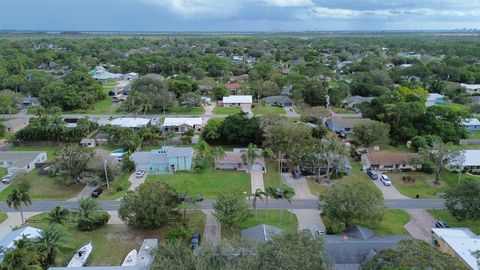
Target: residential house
[(88, 143), (181, 125), (459, 242), (434, 99), (14, 125), (353, 101), (471, 124), (8, 240), (233, 87), (339, 124), (282, 101), (346, 168), (16, 161), (261, 233), (101, 74), (390, 161), (205, 89), (356, 246), (471, 88), (239, 100), (134, 123), (235, 161), (164, 160), (239, 79), (130, 76), (467, 161)]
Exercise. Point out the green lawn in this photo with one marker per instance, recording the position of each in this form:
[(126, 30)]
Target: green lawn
[(272, 177), (46, 188), (226, 110), (262, 109), (445, 216), (110, 84), (3, 172), (118, 188), (51, 150), (3, 217), (186, 111), (474, 135), (209, 183), (424, 186), (284, 220), (111, 243), (342, 110)]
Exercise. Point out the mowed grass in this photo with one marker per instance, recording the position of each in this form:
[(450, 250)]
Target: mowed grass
[(3, 217), (444, 215), (209, 183), (226, 110), (262, 109), (284, 220), (272, 177), (186, 111), (474, 135), (118, 188), (111, 243), (50, 150), (45, 187)]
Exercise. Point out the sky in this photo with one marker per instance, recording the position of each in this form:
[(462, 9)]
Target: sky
[(238, 15)]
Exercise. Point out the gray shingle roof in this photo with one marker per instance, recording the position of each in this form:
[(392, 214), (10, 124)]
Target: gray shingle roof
[(277, 100), (20, 158), (260, 233)]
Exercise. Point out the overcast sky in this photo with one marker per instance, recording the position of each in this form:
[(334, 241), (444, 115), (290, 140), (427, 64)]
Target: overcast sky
[(238, 15)]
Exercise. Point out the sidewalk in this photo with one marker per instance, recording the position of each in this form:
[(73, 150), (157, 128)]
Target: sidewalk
[(256, 179), (12, 221)]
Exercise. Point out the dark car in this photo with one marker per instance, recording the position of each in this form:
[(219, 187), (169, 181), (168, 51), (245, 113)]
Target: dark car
[(441, 224), (372, 174), (97, 192), (296, 173), (195, 240), (342, 135)]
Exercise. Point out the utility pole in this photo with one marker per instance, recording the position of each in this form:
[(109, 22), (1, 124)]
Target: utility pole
[(106, 174)]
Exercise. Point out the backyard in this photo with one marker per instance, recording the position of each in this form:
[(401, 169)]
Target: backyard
[(226, 110), (209, 183), (262, 109)]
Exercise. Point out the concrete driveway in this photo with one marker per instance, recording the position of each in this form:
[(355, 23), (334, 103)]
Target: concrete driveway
[(309, 219), (291, 112), (299, 186), (136, 181), (247, 108), (256, 179), (213, 229), (421, 224), (389, 192), (85, 193)]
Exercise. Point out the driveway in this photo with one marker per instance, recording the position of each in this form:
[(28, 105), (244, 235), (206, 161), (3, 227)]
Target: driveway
[(114, 218), (291, 112), (421, 224), (299, 186), (256, 179), (85, 193), (213, 229), (309, 219), (389, 192), (136, 181), (247, 108)]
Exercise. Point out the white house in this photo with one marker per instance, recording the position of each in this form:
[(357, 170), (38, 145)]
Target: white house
[(459, 242), (131, 122), (101, 74), (471, 124), (16, 161), (471, 88), (180, 125), (29, 232), (130, 76), (468, 161), (237, 100)]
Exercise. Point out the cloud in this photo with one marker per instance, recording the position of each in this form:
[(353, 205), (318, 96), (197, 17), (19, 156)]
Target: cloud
[(289, 3), (194, 8)]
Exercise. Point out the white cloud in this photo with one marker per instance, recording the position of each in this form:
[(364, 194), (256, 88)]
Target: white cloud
[(289, 3), (194, 8)]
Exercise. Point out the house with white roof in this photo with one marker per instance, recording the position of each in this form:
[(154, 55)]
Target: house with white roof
[(467, 161), (237, 100), (471, 124), (180, 125), (434, 99), (471, 88), (8, 240), (459, 242), (133, 123), (21, 161), (101, 74)]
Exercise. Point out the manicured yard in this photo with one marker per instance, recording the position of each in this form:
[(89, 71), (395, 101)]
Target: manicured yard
[(112, 243), (272, 177), (118, 188), (474, 135), (3, 217), (285, 221), (209, 183), (226, 110), (46, 188), (262, 109), (186, 111), (445, 216), (342, 110), (51, 150)]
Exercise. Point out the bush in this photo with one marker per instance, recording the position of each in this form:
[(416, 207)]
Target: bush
[(96, 221), (176, 233), (127, 164)]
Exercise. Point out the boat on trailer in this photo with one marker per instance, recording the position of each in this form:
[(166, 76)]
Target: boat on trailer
[(130, 259), (81, 256)]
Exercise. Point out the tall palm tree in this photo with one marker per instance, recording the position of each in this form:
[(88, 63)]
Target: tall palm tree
[(58, 215), (17, 197), (51, 240), (251, 155), (288, 195), (87, 206), (258, 195), (269, 192), (23, 256)]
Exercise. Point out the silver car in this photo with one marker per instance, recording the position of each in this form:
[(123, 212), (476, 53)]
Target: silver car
[(385, 180), (7, 179)]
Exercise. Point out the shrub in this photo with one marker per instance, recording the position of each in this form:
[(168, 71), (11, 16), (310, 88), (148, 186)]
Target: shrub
[(96, 221), (176, 233)]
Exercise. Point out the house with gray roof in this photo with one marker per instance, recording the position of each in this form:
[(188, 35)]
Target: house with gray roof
[(16, 161), (353, 101), (261, 233), (356, 246), (282, 101), (164, 160)]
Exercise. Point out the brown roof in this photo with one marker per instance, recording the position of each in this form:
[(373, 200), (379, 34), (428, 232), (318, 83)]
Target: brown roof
[(235, 157), (390, 158), (348, 122)]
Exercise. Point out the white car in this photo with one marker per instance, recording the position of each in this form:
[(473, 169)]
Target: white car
[(7, 179), (140, 173), (385, 180)]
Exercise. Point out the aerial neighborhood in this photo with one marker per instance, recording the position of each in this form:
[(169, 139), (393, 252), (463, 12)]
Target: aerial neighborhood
[(240, 151)]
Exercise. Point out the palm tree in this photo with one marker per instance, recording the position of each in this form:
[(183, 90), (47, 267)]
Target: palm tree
[(51, 240), (250, 155), (288, 195), (259, 194), (58, 215), (17, 197), (269, 192), (87, 206), (23, 256)]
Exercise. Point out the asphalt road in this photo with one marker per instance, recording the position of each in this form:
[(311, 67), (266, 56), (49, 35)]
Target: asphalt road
[(45, 206)]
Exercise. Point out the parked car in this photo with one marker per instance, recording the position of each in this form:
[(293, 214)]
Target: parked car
[(320, 232), (140, 173), (296, 173), (372, 174), (97, 192), (195, 240), (441, 224), (7, 179), (342, 135), (385, 180)]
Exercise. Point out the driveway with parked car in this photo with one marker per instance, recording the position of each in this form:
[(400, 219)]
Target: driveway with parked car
[(300, 186), (382, 182)]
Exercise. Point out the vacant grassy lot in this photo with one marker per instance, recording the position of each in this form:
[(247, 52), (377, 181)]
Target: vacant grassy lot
[(51, 150), (112, 243), (209, 183), (445, 216), (284, 220), (226, 110), (262, 109), (118, 188)]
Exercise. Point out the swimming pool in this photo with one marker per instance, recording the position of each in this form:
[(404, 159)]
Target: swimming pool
[(118, 153)]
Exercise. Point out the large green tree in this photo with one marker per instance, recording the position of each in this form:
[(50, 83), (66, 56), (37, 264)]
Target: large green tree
[(437, 156), (463, 200), (17, 197), (52, 239), (71, 162), (230, 209), (372, 132)]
